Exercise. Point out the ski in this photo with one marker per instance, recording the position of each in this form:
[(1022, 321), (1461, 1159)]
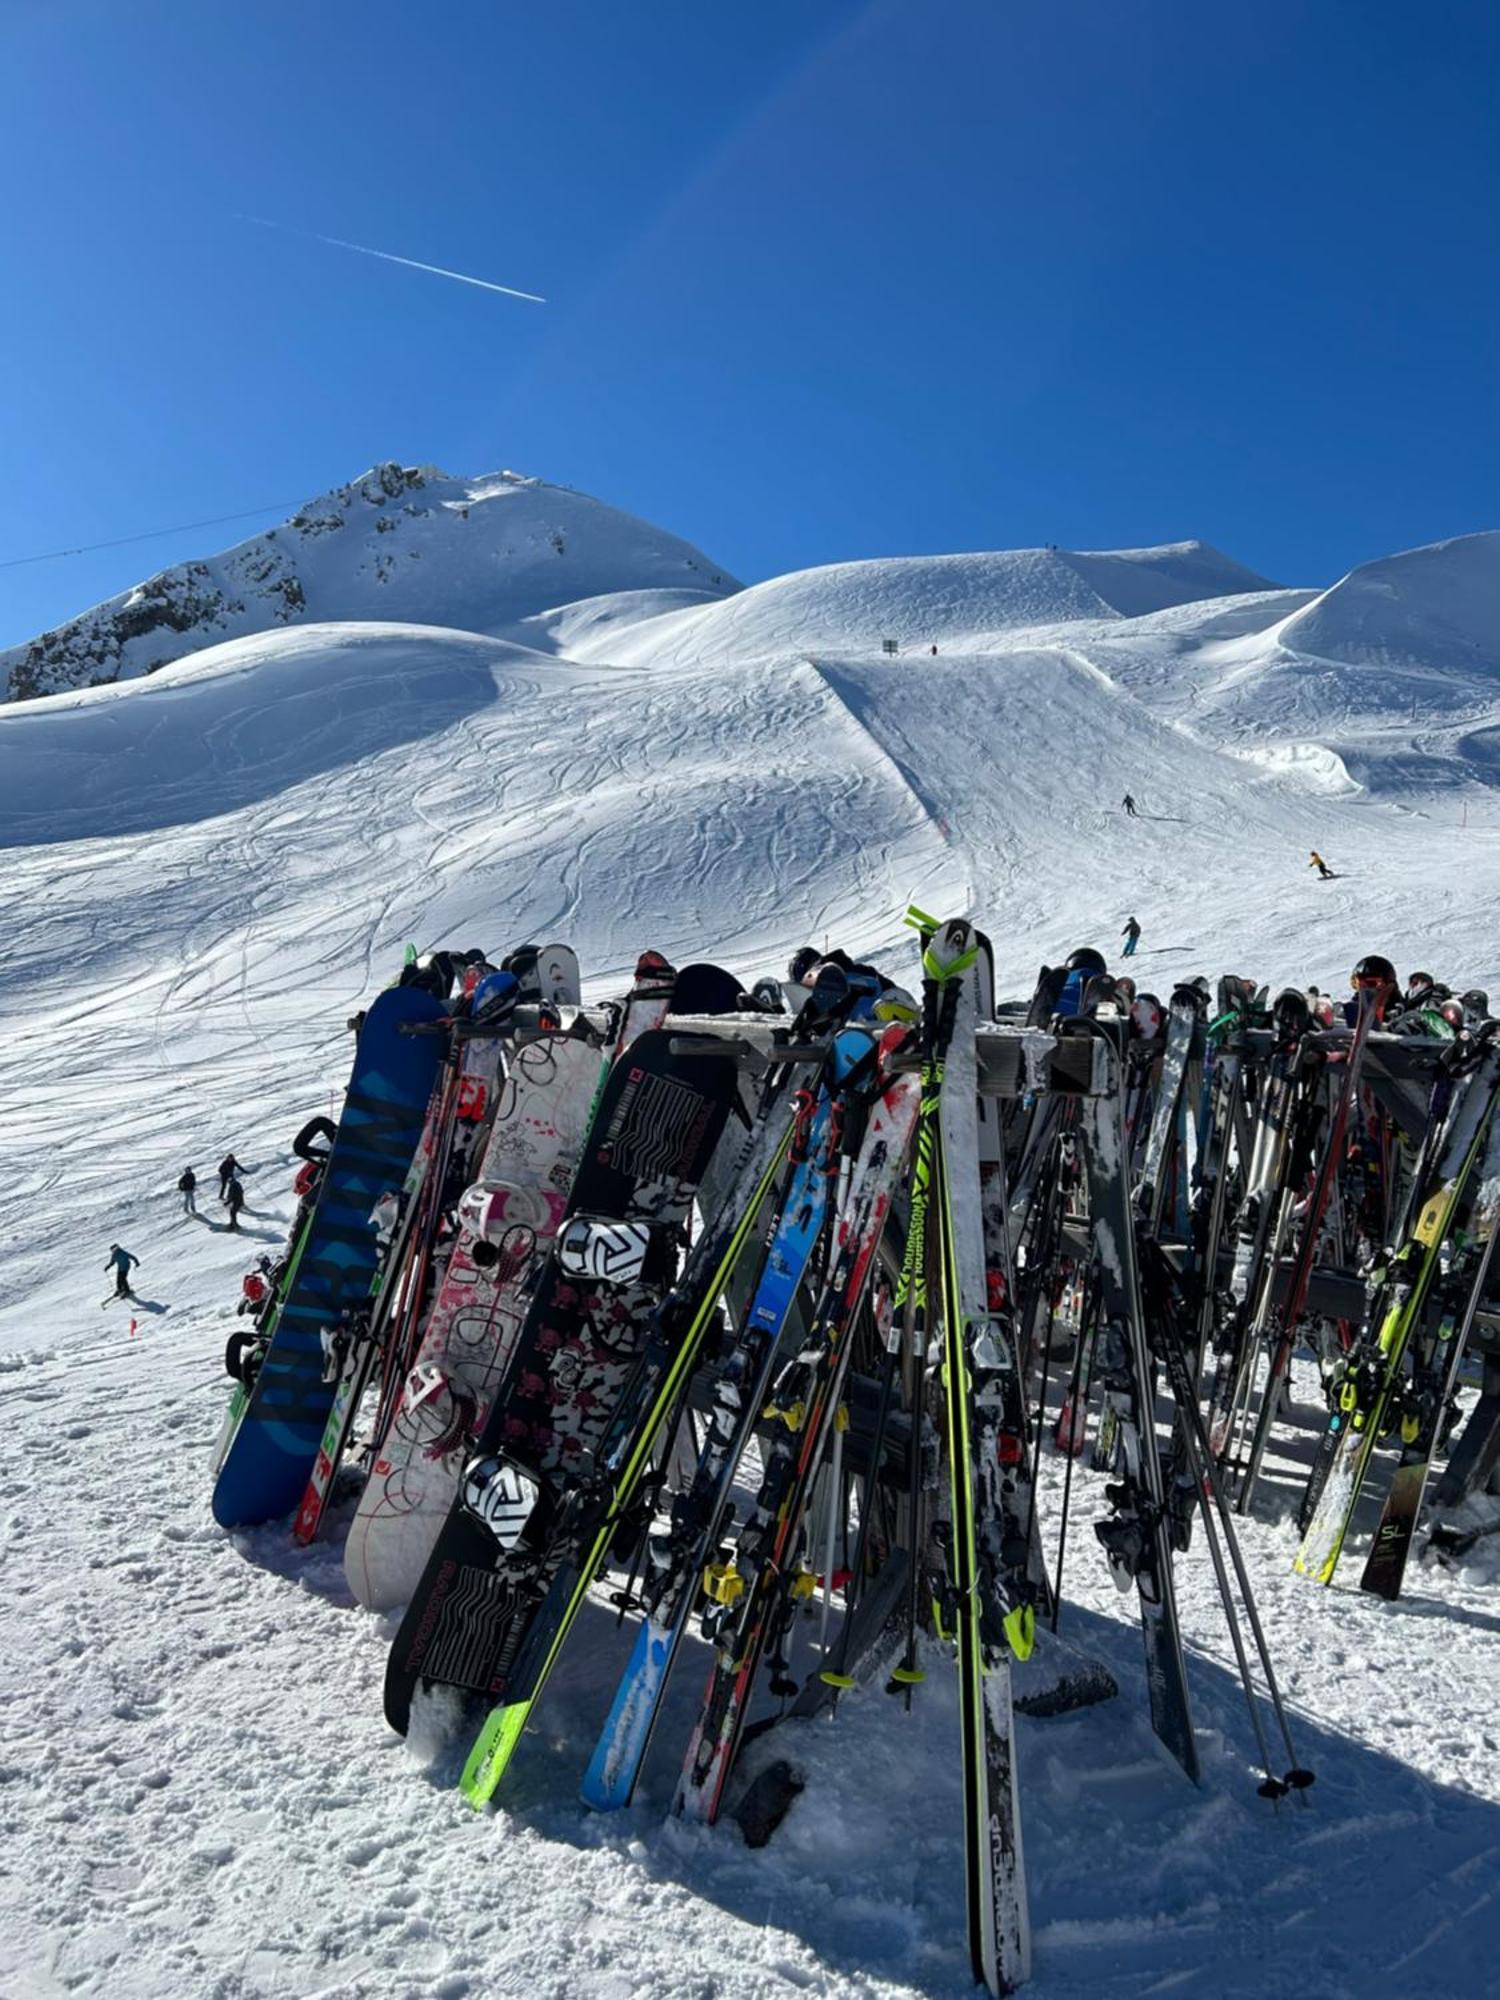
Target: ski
[(757, 1587), (986, 1540), (677, 1561), (1357, 1418)]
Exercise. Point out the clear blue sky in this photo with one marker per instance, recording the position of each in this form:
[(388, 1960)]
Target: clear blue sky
[(825, 279)]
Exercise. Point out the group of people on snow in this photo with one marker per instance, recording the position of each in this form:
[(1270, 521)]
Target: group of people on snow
[(231, 1193), (231, 1189)]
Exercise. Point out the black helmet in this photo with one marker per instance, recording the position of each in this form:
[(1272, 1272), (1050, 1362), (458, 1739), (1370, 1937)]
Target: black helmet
[(802, 963), (1373, 970), (1085, 959)]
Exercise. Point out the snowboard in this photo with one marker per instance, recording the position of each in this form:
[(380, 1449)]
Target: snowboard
[(265, 1468), (658, 1120), (507, 1222)]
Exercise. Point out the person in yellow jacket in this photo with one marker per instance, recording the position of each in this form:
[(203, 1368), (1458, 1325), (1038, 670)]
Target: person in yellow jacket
[(1325, 873)]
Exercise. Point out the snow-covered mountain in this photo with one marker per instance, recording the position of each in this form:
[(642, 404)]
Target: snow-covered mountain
[(460, 733), (403, 543)]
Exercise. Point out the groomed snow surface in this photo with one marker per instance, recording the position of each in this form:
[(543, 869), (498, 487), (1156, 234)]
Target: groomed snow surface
[(209, 869)]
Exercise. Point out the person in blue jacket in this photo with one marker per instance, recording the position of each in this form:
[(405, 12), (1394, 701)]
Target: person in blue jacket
[(120, 1261)]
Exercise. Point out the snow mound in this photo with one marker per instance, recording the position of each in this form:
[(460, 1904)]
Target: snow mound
[(237, 724), (402, 544), (1435, 607), (1310, 764), (1136, 582), (594, 624), (961, 601)]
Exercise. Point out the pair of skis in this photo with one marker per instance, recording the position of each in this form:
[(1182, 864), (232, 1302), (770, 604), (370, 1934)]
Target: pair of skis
[(688, 1556), (1373, 1371)]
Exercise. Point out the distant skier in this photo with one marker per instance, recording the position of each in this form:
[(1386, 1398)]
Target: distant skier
[(234, 1198), (187, 1186), (1129, 804), (934, 652), (1325, 873), (229, 1168), (120, 1261), (1132, 936)]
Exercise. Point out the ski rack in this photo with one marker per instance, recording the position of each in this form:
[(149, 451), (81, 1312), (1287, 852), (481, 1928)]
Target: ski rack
[(1012, 1062)]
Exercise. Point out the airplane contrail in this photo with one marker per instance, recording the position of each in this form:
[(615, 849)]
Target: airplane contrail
[(389, 257)]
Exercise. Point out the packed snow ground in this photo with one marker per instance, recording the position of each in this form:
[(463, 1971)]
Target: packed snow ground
[(208, 870)]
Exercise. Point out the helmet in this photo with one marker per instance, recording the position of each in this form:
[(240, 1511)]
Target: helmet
[(1085, 959), (1373, 970), (802, 963)]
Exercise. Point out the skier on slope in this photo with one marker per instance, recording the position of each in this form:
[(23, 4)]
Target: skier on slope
[(187, 1183), (1129, 804), (1132, 936), (229, 1168), (120, 1261), (235, 1200), (1325, 873)]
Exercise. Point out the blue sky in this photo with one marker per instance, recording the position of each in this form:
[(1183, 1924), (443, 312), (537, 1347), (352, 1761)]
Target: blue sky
[(824, 279)]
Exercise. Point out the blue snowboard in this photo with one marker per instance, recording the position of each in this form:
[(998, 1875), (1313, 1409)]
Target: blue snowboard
[(268, 1463)]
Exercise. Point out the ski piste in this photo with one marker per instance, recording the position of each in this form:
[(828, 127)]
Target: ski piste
[(507, 1222), (1372, 993), (377, 1337), (979, 1537), (677, 1561), (538, 1459), (1356, 1421), (804, 1408), (667, 1357), (1136, 1537), (1385, 1567), (264, 1471)]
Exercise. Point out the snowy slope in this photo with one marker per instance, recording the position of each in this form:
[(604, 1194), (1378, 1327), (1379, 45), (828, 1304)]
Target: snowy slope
[(1394, 670), (1436, 608), (208, 869), (402, 544), (918, 601)]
